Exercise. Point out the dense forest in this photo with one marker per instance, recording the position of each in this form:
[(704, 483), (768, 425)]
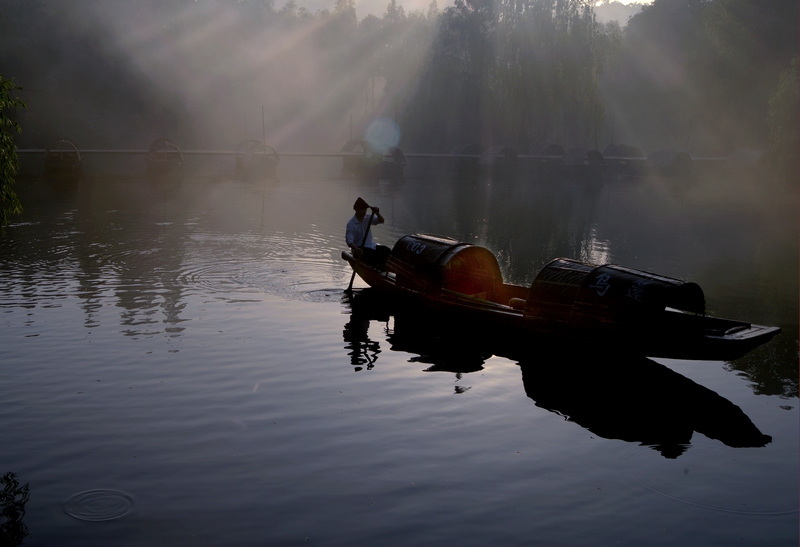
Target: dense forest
[(705, 76)]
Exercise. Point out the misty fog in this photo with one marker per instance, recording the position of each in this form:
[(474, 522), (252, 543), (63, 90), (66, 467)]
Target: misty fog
[(179, 346), (701, 77)]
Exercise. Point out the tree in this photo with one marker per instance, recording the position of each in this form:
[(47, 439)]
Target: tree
[(549, 62), (706, 65), (9, 163), (784, 109), (514, 72)]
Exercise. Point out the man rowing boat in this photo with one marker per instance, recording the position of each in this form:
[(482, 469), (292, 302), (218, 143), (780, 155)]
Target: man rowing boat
[(358, 235)]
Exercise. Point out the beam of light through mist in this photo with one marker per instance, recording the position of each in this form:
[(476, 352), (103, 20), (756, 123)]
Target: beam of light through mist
[(221, 70)]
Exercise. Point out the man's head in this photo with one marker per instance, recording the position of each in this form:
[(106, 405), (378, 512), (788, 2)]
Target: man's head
[(360, 207)]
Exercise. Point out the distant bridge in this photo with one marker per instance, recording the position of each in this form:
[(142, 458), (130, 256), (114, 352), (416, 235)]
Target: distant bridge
[(364, 159)]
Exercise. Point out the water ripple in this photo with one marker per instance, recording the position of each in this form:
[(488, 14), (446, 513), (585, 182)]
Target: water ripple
[(300, 266), (99, 505), (743, 482)]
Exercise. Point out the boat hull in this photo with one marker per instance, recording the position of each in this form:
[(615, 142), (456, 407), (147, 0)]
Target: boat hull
[(671, 334)]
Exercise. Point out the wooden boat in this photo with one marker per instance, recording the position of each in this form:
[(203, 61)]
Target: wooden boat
[(605, 305)]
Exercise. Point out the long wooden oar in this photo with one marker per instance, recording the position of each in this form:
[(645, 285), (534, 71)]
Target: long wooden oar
[(363, 241)]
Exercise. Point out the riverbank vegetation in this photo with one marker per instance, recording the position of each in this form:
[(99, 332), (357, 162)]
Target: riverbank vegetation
[(9, 163)]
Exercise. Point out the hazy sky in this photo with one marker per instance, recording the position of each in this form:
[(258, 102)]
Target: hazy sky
[(378, 7)]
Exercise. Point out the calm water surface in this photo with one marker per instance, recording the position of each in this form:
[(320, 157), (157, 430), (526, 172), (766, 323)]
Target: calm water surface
[(179, 367)]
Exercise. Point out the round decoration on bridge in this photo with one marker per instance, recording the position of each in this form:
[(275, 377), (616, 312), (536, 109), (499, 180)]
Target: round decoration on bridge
[(623, 151), (397, 155), (62, 160), (164, 147), (356, 146), (669, 162), (467, 157), (367, 160), (470, 149), (499, 156), (164, 157), (254, 159), (575, 156), (63, 146), (500, 161), (544, 149)]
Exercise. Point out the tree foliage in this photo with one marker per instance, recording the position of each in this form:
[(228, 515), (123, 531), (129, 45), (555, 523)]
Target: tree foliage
[(516, 72), (708, 65), (512, 71), (9, 163)]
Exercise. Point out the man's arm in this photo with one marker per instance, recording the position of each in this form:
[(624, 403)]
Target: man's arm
[(350, 239), (378, 217), (349, 235)]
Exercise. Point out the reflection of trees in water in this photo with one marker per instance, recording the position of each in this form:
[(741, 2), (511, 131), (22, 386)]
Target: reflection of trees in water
[(105, 234), (13, 498), (526, 224), (765, 292), (617, 396), (772, 368), (148, 281), (132, 232), (91, 244), (34, 254)]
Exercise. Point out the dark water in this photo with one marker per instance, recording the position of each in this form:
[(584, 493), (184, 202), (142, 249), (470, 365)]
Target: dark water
[(179, 368)]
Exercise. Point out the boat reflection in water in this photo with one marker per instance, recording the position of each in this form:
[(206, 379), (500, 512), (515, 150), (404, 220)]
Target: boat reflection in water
[(362, 350), (635, 399), (623, 396), (411, 334)]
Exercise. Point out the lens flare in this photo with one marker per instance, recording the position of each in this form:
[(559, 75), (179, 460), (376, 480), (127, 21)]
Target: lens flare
[(383, 132)]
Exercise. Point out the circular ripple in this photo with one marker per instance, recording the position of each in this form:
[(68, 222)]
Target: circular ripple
[(99, 505), (720, 479), (300, 266)]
